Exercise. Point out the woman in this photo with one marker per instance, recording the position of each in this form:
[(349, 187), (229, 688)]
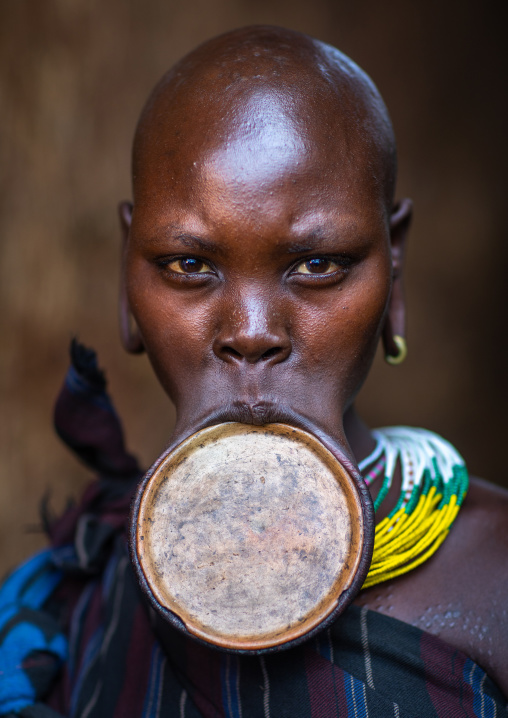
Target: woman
[(262, 264)]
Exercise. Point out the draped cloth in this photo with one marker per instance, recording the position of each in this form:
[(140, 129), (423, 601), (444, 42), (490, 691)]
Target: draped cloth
[(76, 638), (366, 664)]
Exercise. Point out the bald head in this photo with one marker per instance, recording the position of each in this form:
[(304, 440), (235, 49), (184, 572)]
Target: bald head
[(264, 97)]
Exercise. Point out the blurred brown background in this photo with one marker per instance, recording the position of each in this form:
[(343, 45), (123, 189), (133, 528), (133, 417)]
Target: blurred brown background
[(74, 75)]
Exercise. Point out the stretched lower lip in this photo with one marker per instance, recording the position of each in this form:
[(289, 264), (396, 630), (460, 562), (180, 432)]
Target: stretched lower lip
[(269, 412)]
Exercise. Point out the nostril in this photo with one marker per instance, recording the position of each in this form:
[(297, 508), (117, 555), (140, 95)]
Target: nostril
[(227, 352), (271, 353), (230, 352)]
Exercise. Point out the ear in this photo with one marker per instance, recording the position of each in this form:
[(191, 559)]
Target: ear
[(395, 323), (129, 332)]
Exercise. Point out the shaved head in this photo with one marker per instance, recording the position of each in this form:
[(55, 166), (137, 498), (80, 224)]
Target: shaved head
[(276, 91)]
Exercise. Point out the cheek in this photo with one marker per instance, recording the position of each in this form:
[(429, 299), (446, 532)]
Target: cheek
[(341, 332), (176, 333)]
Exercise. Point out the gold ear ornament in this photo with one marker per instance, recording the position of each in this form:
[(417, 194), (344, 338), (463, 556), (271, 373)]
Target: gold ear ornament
[(401, 345)]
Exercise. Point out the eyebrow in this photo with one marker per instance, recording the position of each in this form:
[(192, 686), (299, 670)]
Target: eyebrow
[(302, 248), (188, 240), (309, 243)]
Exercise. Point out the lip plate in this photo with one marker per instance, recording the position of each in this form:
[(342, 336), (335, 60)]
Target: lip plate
[(337, 599)]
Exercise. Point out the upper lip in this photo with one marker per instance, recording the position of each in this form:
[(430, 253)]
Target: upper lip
[(260, 412), (253, 412)]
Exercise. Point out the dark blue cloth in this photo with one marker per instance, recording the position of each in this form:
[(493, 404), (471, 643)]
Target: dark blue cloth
[(32, 645)]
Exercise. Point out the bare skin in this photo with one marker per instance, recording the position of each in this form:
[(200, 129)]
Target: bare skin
[(262, 264)]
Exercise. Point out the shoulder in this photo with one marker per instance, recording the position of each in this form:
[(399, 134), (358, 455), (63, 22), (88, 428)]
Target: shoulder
[(481, 528), (469, 579), (485, 498), (460, 593), (476, 551)]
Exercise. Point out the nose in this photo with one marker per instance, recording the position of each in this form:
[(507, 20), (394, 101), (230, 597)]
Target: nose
[(252, 331)]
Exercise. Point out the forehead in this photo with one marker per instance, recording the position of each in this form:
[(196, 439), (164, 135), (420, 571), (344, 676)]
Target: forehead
[(261, 152), (246, 133)]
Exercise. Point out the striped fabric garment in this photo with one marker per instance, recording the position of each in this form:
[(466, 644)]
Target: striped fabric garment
[(367, 664)]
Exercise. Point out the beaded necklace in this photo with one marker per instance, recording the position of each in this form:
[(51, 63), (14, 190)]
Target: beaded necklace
[(434, 483)]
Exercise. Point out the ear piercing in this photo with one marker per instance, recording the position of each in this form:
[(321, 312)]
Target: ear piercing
[(401, 345)]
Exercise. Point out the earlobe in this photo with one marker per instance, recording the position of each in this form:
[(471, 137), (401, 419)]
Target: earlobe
[(125, 209), (400, 221), (394, 330), (129, 332)]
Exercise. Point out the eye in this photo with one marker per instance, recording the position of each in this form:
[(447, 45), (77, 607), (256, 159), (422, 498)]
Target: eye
[(316, 265), (188, 265)]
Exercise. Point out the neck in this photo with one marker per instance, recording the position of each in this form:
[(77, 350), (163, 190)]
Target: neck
[(358, 435), (362, 444)]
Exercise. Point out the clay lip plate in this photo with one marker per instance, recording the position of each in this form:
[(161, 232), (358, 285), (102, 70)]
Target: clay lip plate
[(250, 535)]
